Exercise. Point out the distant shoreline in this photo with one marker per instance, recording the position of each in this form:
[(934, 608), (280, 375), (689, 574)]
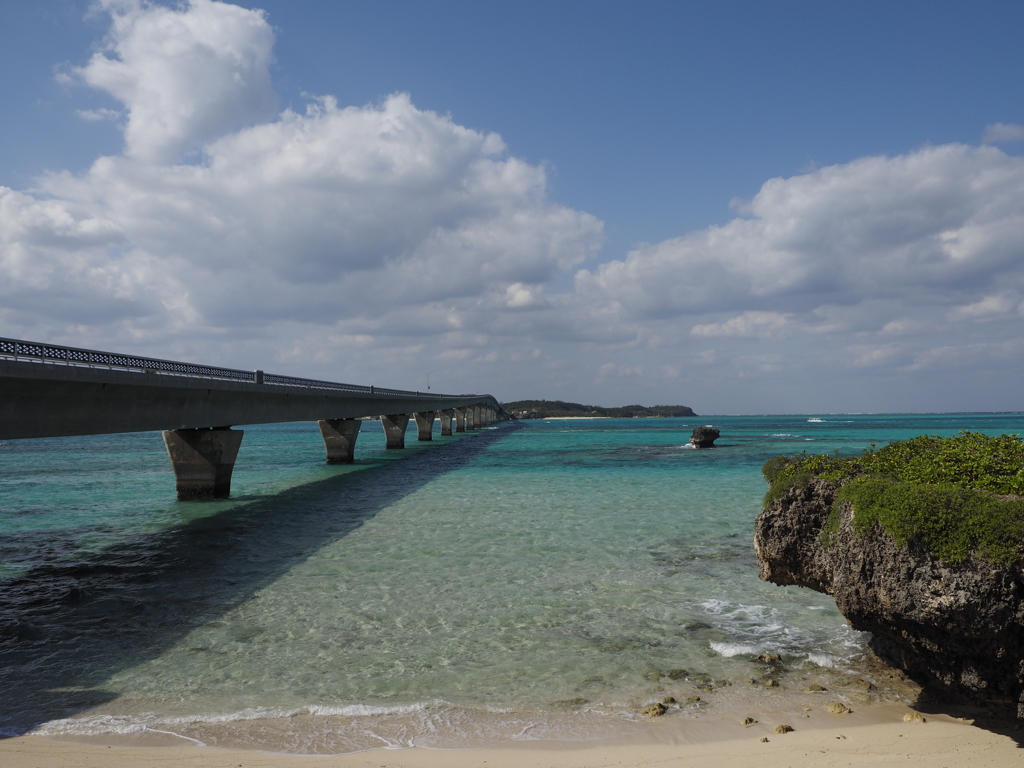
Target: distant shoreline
[(570, 418), (578, 418), (555, 409)]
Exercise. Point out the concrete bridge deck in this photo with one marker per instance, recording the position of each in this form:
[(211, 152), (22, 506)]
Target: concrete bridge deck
[(50, 391)]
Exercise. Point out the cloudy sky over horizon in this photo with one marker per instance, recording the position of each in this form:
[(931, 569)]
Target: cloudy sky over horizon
[(736, 208)]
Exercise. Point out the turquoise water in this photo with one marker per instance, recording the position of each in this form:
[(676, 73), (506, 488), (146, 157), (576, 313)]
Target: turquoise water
[(526, 580)]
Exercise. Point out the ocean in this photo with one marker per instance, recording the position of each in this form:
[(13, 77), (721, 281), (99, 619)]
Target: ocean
[(531, 580)]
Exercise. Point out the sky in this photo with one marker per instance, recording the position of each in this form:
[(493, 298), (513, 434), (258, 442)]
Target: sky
[(743, 207)]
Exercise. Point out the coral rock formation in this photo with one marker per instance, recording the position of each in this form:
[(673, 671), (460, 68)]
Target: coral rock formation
[(958, 629), (704, 437)]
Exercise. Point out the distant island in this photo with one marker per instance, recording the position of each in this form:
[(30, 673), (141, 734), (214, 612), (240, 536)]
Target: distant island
[(553, 409)]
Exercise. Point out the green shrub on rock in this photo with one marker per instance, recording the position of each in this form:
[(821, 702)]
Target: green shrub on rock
[(944, 491)]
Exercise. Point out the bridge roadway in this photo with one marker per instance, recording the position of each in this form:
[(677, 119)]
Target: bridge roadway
[(52, 391)]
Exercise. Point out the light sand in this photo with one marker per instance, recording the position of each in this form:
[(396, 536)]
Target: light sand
[(878, 737)]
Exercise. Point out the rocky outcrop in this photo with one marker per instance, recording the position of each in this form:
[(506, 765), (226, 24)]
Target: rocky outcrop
[(704, 437), (958, 630)]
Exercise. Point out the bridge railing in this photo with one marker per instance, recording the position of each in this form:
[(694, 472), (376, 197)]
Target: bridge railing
[(16, 349)]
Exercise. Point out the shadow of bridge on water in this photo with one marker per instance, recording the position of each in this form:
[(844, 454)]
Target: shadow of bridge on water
[(67, 626)]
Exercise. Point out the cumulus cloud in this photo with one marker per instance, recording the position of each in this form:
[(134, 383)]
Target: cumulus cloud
[(390, 233), (388, 218), (937, 226), (1003, 133), (830, 266), (185, 77)]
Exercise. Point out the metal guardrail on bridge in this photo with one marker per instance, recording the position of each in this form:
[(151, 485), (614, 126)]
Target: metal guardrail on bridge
[(15, 349)]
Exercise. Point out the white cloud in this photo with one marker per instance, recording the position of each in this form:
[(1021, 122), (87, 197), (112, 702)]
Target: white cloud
[(980, 356), (750, 324), (828, 267), (96, 115), (371, 241), (185, 76), (933, 226), (903, 326), (520, 296), (989, 306), (387, 218), (1003, 133), (874, 355)]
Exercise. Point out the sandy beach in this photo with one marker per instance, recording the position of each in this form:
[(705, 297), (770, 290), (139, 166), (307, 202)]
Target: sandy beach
[(876, 736)]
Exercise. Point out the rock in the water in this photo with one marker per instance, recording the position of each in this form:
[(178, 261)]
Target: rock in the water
[(704, 437), (654, 710), (957, 629), (839, 709)]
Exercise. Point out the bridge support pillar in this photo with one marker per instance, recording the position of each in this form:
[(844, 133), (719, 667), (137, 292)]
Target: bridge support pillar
[(203, 460), (425, 425), (340, 439), (478, 416), (470, 422), (460, 419), (446, 421), (394, 429)]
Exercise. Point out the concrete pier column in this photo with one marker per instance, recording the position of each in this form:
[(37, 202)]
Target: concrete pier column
[(203, 460), (446, 421), (478, 416), (340, 439), (460, 419), (470, 420), (425, 425), (394, 429)]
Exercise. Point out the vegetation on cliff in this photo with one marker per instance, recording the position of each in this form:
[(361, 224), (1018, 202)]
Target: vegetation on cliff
[(546, 409), (949, 492)]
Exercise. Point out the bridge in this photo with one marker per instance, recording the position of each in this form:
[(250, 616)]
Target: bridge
[(48, 390)]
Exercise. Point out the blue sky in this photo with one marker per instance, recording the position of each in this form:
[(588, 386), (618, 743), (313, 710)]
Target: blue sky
[(586, 267)]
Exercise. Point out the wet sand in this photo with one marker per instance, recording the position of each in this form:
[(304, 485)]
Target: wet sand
[(876, 735)]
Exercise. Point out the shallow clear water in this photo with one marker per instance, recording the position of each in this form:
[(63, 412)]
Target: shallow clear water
[(521, 581)]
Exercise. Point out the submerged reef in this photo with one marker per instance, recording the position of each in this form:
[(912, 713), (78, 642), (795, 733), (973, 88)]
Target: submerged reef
[(920, 543)]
